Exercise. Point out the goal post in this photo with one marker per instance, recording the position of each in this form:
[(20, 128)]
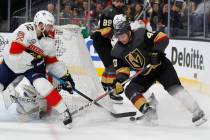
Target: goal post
[(72, 50)]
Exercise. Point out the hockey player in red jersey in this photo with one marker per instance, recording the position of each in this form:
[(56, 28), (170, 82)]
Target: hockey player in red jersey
[(28, 55), (135, 50)]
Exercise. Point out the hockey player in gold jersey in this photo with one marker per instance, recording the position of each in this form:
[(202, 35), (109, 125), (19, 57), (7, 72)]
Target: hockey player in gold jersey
[(135, 50)]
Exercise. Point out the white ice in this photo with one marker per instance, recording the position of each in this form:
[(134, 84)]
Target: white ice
[(174, 124)]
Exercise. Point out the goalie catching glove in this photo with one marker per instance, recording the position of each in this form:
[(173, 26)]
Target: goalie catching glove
[(69, 83)]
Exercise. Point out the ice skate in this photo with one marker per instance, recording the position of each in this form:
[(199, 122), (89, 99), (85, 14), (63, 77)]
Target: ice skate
[(67, 119), (149, 116), (199, 117), (116, 99), (153, 101)]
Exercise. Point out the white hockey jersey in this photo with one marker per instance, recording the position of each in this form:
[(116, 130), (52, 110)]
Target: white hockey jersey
[(141, 24), (25, 38)]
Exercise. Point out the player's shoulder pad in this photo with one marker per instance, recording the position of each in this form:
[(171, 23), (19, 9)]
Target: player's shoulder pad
[(117, 50), (149, 37)]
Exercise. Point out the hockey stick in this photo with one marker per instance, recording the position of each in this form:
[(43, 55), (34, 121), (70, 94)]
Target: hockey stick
[(116, 115), (106, 93)]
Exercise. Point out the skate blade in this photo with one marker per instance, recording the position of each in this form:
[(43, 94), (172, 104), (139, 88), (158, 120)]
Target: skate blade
[(201, 121)]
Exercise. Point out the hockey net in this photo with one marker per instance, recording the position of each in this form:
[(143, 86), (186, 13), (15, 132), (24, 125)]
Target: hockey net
[(71, 49)]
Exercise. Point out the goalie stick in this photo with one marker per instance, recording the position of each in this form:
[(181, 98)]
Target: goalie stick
[(115, 115), (106, 93)]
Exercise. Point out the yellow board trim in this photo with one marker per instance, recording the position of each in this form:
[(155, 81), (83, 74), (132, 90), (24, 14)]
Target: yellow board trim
[(202, 87)]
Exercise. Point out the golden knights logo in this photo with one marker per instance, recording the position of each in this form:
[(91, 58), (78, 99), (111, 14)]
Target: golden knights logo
[(135, 59)]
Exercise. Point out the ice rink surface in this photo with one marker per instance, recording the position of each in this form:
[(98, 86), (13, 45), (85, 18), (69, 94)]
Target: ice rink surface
[(174, 124)]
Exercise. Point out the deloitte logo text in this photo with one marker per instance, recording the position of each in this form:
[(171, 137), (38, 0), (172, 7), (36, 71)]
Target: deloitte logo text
[(192, 59)]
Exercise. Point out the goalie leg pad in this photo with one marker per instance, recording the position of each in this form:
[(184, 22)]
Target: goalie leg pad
[(10, 91)]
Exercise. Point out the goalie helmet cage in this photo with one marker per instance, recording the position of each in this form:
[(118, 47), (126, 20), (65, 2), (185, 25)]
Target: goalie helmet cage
[(71, 49)]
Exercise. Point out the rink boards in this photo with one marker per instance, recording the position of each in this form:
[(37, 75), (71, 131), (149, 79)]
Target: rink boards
[(190, 58)]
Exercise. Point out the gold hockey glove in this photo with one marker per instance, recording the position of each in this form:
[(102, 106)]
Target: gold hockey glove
[(118, 88)]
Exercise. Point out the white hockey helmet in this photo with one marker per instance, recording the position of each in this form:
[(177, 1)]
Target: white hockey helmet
[(118, 19), (44, 17)]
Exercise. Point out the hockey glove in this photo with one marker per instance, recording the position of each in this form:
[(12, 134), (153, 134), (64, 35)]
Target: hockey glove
[(154, 61), (118, 88), (101, 33), (70, 85), (38, 59)]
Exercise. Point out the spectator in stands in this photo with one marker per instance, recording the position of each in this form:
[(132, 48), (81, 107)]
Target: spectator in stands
[(76, 19), (138, 14), (129, 13), (176, 24), (85, 7), (189, 4), (99, 8), (52, 10), (155, 15), (163, 18), (197, 18), (66, 14), (176, 18), (78, 4), (208, 21)]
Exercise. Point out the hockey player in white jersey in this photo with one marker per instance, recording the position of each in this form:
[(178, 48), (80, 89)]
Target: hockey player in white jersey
[(25, 56)]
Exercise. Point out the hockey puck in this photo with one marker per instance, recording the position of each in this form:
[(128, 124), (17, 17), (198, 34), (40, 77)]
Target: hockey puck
[(132, 118)]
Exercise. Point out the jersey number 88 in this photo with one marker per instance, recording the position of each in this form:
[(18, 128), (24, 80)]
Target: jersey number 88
[(107, 22)]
